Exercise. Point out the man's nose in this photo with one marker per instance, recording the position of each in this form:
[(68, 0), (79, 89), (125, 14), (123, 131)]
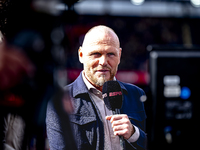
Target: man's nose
[(103, 60)]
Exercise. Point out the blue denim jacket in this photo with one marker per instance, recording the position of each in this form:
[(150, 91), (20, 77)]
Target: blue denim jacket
[(86, 121)]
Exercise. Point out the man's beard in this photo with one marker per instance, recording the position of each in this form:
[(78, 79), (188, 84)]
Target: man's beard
[(99, 81)]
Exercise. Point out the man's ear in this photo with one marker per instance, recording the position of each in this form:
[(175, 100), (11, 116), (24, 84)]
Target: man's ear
[(120, 53), (80, 54)]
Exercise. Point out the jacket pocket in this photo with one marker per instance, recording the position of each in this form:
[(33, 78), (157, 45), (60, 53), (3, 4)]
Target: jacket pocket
[(84, 128), (81, 120)]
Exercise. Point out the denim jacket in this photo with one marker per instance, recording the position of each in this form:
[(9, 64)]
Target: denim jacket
[(86, 121)]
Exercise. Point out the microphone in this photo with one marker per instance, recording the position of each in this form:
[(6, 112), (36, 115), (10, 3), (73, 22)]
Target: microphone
[(113, 99), (112, 95)]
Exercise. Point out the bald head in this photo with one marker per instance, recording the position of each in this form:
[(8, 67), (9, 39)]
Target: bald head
[(99, 35)]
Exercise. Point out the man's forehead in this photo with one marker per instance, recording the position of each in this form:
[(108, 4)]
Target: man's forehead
[(101, 49), (101, 39), (101, 35)]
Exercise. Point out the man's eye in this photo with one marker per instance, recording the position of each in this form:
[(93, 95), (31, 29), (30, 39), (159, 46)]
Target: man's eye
[(111, 54), (96, 54)]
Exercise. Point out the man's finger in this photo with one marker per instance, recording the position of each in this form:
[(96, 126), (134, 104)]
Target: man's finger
[(119, 122), (118, 117), (108, 117)]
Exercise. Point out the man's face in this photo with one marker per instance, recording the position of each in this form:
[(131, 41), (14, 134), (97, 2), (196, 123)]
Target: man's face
[(100, 58)]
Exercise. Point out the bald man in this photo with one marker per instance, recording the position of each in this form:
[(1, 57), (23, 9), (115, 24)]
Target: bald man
[(94, 126)]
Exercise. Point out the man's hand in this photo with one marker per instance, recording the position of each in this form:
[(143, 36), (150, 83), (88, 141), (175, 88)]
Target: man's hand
[(121, 125)]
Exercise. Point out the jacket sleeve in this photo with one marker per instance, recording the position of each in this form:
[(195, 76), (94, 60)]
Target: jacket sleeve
[(134, 108), (54, 133), (141, 143), (59, 131)]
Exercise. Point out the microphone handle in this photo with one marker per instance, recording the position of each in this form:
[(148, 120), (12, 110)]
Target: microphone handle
[(121, 138), (122, 142)]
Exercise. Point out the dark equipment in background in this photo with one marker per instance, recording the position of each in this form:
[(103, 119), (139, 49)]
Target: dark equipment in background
[(175, 80)]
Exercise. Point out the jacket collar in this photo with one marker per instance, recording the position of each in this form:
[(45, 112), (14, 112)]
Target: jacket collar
[(123, 87), (79, 86)]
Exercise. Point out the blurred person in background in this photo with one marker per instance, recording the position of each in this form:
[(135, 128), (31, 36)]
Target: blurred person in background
[(27, 74), (94, 126), (14, 66)]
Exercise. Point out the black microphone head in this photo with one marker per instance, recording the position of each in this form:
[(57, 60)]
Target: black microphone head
[(112, 95)]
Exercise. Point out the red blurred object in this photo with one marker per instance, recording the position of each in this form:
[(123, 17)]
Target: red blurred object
[(11, 100), (14, 66), (134, 77)]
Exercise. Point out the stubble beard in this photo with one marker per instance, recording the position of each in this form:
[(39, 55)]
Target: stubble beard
[(98, 81), (101, 80)]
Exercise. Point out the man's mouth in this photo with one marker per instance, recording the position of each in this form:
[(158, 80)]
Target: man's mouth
[(103, 70)]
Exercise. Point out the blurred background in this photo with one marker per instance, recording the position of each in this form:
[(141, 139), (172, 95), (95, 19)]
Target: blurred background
[(160, 54)]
